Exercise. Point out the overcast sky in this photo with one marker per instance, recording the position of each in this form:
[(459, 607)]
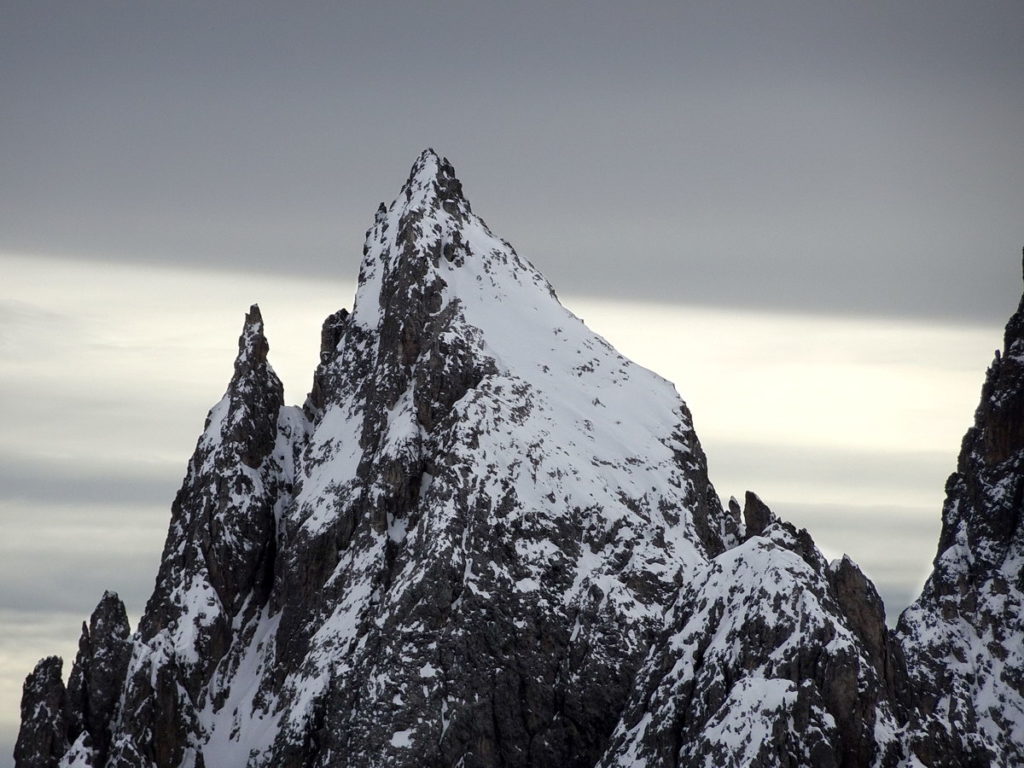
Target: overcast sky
[(807, 215), (854, 157)]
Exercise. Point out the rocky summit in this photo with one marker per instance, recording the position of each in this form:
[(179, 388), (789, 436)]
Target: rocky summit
[(488, 539)]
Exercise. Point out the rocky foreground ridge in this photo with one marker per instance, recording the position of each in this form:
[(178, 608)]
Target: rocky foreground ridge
[(487, 539)]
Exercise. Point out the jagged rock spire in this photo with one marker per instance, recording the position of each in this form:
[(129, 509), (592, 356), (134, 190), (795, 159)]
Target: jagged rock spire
[(252, 343), (98, 674), (756, 515), (964, 637), (432, 182), (255, 395), (43, 738), (326, 377), (218, 562), (224, 510), (251, 362)]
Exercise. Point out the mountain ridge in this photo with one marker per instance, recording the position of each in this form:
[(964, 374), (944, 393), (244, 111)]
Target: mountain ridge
[(484, 539)]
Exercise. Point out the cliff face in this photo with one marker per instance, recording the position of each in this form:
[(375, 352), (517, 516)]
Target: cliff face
[(487, 539), (964, 637)]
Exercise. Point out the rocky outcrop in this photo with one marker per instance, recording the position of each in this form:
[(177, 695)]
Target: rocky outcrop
[(218, 563), (222, 521), (325, 377), (43, 738), (763, 662), (98, 676), (964, 637), (487, 539)]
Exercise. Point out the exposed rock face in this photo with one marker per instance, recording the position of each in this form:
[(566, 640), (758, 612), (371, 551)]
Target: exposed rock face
[(98, 675), (487, 539), (43, 738), (218, 563), (964, 637)]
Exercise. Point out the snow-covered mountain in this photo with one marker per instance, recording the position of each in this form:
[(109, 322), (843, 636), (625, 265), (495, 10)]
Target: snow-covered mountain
[(487, 539)]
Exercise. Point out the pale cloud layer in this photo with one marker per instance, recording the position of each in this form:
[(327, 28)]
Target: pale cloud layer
[(107, 370)]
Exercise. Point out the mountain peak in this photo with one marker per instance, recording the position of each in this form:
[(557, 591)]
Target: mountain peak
[(432, 184), (425, 236), (252, 344), (428, 161)]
